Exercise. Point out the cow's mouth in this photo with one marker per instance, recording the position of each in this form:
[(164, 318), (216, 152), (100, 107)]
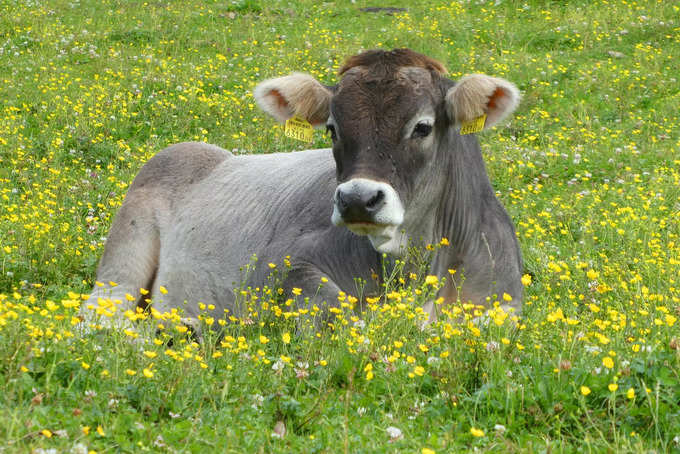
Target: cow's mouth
[(366, 228), (383, 237)]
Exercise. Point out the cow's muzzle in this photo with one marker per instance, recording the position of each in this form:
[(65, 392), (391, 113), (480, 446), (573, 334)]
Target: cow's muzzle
[(365, 206)]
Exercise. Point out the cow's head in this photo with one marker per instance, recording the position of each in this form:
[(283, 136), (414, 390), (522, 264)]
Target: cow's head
[(390, 118)]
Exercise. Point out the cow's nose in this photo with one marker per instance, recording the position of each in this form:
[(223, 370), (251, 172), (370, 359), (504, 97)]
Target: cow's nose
[(358, 204)]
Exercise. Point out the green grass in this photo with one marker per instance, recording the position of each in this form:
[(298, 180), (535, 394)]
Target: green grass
[(587, 167)]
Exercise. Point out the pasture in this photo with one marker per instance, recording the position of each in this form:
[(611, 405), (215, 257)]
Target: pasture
[(588, 168)]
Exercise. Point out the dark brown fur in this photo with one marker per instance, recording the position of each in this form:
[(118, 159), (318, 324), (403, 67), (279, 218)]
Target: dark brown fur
[(392, 60)]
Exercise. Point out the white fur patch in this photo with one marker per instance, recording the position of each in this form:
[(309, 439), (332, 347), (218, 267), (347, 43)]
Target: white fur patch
[(384, 234)]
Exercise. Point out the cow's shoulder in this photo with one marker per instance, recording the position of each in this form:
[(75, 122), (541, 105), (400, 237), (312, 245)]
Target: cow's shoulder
[(180, 165)]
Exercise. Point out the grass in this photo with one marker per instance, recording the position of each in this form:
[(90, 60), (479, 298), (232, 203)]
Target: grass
[(588, 169)]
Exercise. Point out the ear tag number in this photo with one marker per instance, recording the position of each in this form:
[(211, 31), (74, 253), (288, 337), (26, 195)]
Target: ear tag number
[(473, 126), (299, 129)]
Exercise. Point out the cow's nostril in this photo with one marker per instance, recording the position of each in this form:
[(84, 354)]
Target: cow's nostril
[(376, 199)]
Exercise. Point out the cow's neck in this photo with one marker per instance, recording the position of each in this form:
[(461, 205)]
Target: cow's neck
[(453, 201)]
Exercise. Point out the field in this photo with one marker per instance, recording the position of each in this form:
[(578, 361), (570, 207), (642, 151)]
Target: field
[(588, 168)]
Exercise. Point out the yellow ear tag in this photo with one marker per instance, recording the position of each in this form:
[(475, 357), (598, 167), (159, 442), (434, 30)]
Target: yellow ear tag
[(299, 128), (473, 126)]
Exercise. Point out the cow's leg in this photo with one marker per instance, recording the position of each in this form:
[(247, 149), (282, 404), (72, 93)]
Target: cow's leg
[(128, 264), (318, 294)]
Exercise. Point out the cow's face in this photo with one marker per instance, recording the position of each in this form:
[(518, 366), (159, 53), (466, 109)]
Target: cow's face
[(384, 128), (388, 118)]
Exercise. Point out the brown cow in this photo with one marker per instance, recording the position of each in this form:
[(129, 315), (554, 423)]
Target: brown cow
[(399, 171)]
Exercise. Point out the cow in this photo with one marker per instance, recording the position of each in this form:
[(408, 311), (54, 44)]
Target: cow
[(399, 173)]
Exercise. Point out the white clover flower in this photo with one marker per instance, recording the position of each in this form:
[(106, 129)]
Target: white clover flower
[(278, 365), (394, 433), (79, 448), (433, 360), (492, 346)]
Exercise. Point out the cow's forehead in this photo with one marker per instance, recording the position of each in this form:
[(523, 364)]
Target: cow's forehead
[(375, 99), (413, 76), (387, 92)]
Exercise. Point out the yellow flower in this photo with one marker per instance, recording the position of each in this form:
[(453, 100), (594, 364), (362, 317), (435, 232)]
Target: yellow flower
[(272, 265), (85, 365), (592, 275), (86, 430), (431, 280), (427, 451), (286, 338), (147, 373), (130, 372), (630, 393), (419, 371), (585, 390), (608, 362), (100, 431), (163, 290), (526, 280), (476, 432), (613, 387), (263, 339), (444, 242), (46, 433)]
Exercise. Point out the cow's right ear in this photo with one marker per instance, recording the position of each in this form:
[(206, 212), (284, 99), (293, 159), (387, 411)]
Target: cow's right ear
[(478, 94), (295, 95)]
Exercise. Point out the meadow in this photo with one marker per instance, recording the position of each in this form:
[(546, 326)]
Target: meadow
[(588, 168)]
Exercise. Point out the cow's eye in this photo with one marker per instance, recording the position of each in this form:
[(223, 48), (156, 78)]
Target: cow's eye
[(331, 130), (421, 130)]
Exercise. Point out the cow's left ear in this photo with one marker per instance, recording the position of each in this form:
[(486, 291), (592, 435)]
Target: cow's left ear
[(477, 94), (295, 95)]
